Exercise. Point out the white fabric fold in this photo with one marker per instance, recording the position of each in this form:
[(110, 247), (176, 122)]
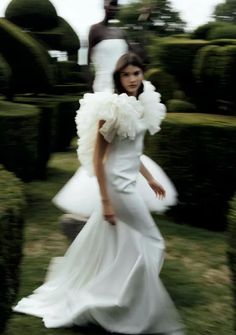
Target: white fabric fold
[(121, 113)]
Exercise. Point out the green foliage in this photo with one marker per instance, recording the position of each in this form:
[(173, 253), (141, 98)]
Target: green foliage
[(68, 72), (227, 31), (207, 71), (197, 151), (180, 106), (223, 41), (5, 76), (57, 125), (232, 246), (226, 11), (33, 15), (19, 139), (62, 37), (32, 72), (157, 16), (177, 57), (164, 83), (202, 32), (215, 71), (12, 206)]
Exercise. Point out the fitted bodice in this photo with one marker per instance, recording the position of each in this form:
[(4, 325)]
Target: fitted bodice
[(104, 57), (123, 161)]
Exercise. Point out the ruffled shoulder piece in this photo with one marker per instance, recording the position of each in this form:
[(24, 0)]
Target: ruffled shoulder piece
[(154, 110), (120, 113)]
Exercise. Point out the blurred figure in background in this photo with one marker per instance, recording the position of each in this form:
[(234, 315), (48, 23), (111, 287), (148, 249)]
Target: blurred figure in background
[(80, 194), (107, 43)]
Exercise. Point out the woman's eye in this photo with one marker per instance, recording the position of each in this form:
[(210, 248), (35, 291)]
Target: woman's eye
[(137, 73)]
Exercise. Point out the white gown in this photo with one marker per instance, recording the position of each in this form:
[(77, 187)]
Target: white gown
[(110, 274), (80, 194)]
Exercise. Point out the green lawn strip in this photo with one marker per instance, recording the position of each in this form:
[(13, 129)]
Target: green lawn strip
[(195, 271)]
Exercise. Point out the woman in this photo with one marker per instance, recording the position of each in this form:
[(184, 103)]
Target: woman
[(106, 45), (109, 275)]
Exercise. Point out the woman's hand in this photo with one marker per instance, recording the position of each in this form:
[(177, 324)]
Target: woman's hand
[(108, 212), (157, 188)]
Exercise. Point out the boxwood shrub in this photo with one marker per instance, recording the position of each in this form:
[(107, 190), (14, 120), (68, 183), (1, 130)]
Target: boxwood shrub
[(12, 205), (31, 66), (232, 246), (39, 15), (227, 31), (5, 76), (215, 71), (19, 138), (163, 81), (180, 106), (177, 57), (197, 151), (202, 32), (57, 121)]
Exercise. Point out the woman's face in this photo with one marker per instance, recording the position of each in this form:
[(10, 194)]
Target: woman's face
[(131, 79)]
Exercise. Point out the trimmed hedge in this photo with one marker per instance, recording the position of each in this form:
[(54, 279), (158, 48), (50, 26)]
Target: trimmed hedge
[(39, 15), (202, 32), (61, 37), (177, 57), (32, 72), (223, 41), (180, 106), (58, 123), (65, 71), (207, 71), (163, 81), (232, 246), (197, 151), (19, 138), (5, 76), (12, 205), (227, 31), (215, 72)]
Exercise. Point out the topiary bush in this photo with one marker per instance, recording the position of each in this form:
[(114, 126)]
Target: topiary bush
[(227, 31), (65, 71), (61, 37), (215, 72), (197, 151), (19, 139), (202, 32), (33, 15), (163, 81), (228, 75), (30, 63), (12, 205), (177, 57), (58, 125), (232, 246), (207, 71), (223, 41), (5, 76), (180, 106)]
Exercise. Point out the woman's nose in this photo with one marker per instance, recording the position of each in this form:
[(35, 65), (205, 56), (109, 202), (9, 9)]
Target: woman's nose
[(132, 78)]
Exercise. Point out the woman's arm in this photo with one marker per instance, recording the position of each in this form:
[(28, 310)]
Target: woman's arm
[(101, 148), (157, 188)]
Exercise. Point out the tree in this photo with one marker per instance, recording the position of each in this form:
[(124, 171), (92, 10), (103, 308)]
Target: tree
[(154, 15), (226, 11)]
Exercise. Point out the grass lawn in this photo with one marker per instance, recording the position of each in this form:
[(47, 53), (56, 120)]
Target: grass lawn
[(195, 272)]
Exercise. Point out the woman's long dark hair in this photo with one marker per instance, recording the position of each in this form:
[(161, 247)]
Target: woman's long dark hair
[(127, 59)]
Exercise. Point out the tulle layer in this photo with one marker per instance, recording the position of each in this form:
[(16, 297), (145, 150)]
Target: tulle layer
[(80, 195)]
